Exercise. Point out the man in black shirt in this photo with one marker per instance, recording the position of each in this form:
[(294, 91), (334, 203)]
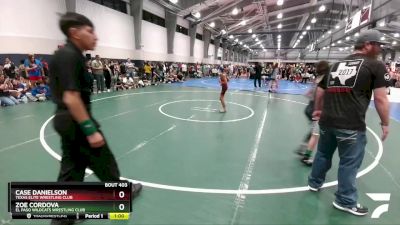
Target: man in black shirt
[(342, 100), (257, 75), (82, 142)]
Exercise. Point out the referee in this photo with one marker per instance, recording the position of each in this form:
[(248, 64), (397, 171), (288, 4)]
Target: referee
[(82, 141)]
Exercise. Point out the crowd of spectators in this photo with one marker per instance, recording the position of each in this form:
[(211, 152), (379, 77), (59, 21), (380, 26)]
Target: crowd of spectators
[(23, 83), (28, 81)]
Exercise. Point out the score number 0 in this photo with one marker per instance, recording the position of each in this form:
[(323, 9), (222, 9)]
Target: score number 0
[(121, 195)]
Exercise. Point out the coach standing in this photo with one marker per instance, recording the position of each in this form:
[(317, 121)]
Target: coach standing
[(344, 96)]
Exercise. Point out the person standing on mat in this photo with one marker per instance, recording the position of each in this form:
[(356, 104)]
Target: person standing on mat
[(257, 75), (223, 79), (341, 102), (274, 78), (82, 142)]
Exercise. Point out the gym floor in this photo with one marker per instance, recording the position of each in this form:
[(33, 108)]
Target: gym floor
[(199, 166)]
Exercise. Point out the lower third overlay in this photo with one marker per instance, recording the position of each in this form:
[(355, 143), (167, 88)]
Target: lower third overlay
[(70, 200)]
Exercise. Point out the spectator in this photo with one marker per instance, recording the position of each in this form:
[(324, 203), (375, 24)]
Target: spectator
[(34, 69), (97, 70), (22, 70), (19, 91), (130, 68), (147, 71), (89, 71), (9, 68), (45, 67), (6, 88), (41, 91), (107, 75)]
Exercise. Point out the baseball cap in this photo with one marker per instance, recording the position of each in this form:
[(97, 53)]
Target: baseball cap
[(370, 36)]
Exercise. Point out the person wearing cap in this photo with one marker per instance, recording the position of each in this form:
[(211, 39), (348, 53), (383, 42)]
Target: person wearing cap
[(82, 142), (342, 99)]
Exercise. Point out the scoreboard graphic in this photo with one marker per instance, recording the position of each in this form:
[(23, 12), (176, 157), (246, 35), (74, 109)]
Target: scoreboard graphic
[(70, 200)]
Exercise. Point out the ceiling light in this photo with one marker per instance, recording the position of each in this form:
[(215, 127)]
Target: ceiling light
[(346, 48), (243, 22), (304, 32), (223, 31), (333, 44), (322, 8), (264, 50), (394, 43), (279, 16), (301, 37), (339, 41), (340, 49), (323, 48), (197, 15), (337, 26), (383, 38), (257, 39), (235, 11), (254, 35), (329, 32), (236, 40), (382, 24), (212, 24), (279, 36), (323, 36), (396, 35), (241, 43), (250, 31), (231, 36), (356, 34), (314, 20), (347, 38), (279, 26), (308, 27), (174, 1), (280, 2)]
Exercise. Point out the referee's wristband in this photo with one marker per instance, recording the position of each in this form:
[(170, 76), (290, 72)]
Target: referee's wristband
[(88, 127), (384, 124)]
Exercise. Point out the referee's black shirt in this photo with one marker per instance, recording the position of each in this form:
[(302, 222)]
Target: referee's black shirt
[(68, 73)]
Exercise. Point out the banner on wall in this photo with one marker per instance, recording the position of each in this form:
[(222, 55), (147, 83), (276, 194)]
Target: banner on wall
[(361, 17)]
